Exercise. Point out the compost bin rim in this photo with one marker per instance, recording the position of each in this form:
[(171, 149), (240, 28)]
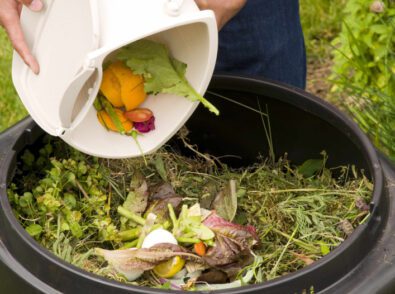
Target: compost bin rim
[(370, 157)]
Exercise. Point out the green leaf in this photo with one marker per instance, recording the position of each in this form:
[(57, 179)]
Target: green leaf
[(310, 167), (76, 229), (34, 230), (113, 115), (97, 105), (324, 249), (225, 203), (160, 168), (162, 73), (28, 158), (26, 200), (69, 200)]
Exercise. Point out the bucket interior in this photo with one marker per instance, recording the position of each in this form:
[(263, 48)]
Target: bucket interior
[(188, 43)]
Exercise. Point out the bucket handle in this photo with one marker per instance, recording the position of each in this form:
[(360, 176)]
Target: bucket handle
[(173, 7)]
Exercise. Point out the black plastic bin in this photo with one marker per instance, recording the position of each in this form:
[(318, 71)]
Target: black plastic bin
[(302, 126)]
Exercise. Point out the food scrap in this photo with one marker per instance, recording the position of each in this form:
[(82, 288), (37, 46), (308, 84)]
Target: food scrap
[(141, 68)]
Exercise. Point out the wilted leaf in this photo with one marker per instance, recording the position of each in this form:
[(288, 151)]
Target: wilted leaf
[(159, 207), (228, 257), (162, 191), (245, 235), (213, 276), (361, 204), (192, 267), (346, 227), (232, 249), (307, 260), (208, 195), (225, 204), (129, 261), (137, 200)]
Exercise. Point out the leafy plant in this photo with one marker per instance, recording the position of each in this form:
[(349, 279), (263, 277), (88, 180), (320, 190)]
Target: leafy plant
[(364, 68), (321, 22)]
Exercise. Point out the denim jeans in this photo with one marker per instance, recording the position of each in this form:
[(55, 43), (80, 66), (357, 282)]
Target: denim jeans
[(265, 39)]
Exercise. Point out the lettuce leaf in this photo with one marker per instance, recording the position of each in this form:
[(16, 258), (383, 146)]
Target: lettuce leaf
[(162, 73)]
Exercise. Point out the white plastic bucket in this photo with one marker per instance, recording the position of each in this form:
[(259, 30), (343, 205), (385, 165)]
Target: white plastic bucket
[(72, 39)]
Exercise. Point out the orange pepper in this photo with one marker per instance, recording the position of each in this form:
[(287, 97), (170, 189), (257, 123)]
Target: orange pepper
[(122, 87)]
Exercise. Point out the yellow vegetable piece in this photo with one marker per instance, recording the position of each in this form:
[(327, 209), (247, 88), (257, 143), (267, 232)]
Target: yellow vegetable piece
[(169, 268), (133, 97), (132, 86), (111, 88), (107, 122)]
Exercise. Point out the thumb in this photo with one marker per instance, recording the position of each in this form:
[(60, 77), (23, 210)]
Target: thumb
[(34, 5)]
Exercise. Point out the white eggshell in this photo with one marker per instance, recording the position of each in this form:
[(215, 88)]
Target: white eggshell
[(158, 236)]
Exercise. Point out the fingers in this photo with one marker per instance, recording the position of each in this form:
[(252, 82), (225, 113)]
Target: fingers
[(34, 5), (202, 4), (15, 33), (224, 10)]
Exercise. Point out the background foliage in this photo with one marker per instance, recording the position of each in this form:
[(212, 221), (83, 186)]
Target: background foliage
[(363, 74), (11, 109)]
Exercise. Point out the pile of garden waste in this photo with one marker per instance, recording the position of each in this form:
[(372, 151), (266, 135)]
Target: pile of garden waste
[(175, 222)]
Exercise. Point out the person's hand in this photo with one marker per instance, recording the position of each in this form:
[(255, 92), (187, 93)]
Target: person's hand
[(224, 9), (10, 11)]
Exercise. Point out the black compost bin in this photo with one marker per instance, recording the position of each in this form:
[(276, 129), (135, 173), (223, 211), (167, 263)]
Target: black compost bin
[(302, 126)]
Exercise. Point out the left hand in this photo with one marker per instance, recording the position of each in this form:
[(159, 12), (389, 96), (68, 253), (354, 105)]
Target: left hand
[(9, 19), (224, 9)]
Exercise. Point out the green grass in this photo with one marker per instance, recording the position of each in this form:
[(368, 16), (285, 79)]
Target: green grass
[(11, 108), (321, 22)]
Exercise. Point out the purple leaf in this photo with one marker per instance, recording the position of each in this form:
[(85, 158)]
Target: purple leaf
[(245, 235)]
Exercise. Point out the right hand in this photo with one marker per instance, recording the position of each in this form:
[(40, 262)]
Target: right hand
[(224, 9), (10, 11)]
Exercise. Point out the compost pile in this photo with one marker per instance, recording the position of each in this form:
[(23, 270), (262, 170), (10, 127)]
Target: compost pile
[(89, 211)]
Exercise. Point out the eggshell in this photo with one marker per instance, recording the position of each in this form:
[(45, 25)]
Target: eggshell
[(158, 236)]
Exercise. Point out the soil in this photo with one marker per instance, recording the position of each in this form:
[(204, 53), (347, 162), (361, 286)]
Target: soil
[(318, 72)]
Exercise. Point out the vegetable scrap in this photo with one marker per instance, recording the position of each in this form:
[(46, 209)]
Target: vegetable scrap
[(185, 223), (141, 68)]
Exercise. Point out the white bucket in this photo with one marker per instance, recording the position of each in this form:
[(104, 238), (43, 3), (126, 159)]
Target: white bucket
[(71, 40)]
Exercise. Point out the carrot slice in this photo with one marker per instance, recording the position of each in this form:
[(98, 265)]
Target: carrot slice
[(200, 248), (139, 115)]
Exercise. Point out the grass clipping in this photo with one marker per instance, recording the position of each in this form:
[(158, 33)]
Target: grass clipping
[(68, 204)]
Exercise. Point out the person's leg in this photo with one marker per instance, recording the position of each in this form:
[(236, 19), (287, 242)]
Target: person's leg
[(265, 39)]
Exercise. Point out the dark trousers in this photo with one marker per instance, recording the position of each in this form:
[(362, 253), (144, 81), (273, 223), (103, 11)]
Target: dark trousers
[(265, 39)]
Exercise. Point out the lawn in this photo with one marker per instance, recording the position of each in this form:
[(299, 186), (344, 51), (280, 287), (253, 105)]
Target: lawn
[(11, 108)]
